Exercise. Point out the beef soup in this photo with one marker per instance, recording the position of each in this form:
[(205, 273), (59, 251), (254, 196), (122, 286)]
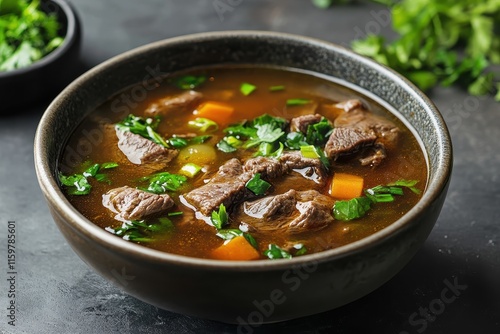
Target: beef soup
[(243, 164)]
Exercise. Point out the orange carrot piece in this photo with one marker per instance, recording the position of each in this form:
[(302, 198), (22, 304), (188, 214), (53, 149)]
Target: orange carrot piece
[(346, 186), (216, 111), (238, 249)]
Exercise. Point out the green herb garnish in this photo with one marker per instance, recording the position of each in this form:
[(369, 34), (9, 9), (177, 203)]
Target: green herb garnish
[(276, 88), (318, 133), (189, 81), (352, 209), (27, 33), (300, 249), (163, 182), (441, 42), (295, 140), (143, 127), (203, 124), (297, 102), (225, 147), (190, 169), (257, 185), (265, 131), (228, 234), (78, 184), (357, 207), (178, 142), (142, 231), (309, 151), (275, 252), (219, 218), (247, 89)]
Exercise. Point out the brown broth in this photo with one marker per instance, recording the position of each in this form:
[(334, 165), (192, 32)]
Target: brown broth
[(192, 237)]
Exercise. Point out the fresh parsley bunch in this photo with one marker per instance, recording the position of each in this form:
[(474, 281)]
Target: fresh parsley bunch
[(441, 43)]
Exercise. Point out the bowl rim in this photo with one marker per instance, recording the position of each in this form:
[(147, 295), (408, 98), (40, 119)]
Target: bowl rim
[(78, 222), (72, 27)]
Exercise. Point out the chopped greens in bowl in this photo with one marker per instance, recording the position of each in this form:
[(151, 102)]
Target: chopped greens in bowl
[(27, 33)]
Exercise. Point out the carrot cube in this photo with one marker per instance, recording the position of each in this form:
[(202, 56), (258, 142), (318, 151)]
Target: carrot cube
[(216, 111), (238, 249), (346, 186)]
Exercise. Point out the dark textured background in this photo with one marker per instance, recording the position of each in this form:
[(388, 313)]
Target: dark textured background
[(58, 293)]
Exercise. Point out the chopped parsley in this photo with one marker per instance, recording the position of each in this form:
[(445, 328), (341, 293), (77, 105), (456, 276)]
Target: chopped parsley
[(219, 218), (143, 127), (357, 207), (259, 132), (203, 124), (189, 81), (228, 234), (27, 33), (142, 231), (257, 185), (78, 184), (163, 182), (275, 252), (178, 142)]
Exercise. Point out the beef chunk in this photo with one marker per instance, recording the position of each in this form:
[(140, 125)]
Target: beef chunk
[(134, 204), (300, 124), (225, 187), (293, 212), (356, 128), (347, 141), (140, 150), (375, 157), (176, 103), (311, 169), (349, 105), (272, 206), (269, 168), (368, 123)]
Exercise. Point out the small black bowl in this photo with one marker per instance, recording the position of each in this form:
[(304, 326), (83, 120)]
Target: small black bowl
[(43, 79)]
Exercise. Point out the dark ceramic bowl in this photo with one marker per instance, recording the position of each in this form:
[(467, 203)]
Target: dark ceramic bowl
[(257, 291), (46, 77)]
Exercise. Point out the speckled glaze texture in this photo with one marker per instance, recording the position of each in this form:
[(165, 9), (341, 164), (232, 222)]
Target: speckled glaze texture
[(247, 293)]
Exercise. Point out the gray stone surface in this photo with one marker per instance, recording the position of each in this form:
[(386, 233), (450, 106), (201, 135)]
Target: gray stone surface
[(58, 293)]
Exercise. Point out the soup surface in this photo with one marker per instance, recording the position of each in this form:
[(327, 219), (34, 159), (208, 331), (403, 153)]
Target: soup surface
[(242, 164)]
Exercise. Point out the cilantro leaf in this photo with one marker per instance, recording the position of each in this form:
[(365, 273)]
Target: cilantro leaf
[(219, 218), (257, 185), (351, 209), (142, 231), (143, 127), (275, 252), (163, 182), (78, 184), (440, 43), (27, 33), (189, 81), (228, 234)]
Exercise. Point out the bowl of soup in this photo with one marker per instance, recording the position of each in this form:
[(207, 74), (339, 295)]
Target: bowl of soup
[(246, 177)]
